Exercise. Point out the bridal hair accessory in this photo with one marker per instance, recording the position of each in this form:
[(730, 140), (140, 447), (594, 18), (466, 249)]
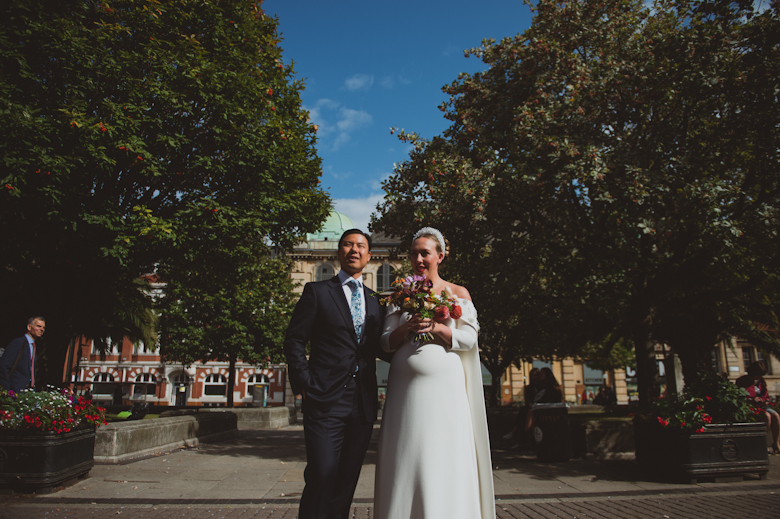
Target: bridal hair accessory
[(436, 233)]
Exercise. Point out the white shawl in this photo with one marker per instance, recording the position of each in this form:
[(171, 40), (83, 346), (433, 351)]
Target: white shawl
[(464, 342)]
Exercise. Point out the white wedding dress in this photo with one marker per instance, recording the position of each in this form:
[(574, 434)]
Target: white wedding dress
[(434, 454)]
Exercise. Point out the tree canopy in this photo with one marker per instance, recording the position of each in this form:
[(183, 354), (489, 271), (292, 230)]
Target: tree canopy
[(128, 129), (612, 174)]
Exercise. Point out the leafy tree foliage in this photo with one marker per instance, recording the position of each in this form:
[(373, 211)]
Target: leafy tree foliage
[(613, 173), (225, 304), (127, 129)]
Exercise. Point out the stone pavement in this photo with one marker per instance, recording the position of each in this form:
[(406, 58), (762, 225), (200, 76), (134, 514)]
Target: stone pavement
[(260, 475)]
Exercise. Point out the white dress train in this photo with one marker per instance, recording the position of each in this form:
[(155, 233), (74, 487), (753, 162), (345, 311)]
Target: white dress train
[(434, 454)]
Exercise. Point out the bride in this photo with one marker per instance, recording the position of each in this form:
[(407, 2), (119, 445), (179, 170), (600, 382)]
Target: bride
[(433, 453)]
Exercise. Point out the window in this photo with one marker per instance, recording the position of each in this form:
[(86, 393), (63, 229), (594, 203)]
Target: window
[(324, 272), (140, 348), (111, 347), (215, 385), (715, 360), (180, 378), (102, 384), (385, 277), (768, 365), (257, 378), (748, 357), (144, 385)]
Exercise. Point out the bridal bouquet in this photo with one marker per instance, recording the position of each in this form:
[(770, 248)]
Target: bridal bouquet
[(415, 295)]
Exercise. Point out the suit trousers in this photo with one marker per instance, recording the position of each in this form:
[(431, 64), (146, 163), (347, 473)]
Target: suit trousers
[(336, 444)]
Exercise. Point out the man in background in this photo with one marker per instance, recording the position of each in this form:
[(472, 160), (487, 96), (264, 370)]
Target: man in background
[(17, 365)]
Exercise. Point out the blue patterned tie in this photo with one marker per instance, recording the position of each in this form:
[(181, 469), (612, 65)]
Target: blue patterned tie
[(356, 307)]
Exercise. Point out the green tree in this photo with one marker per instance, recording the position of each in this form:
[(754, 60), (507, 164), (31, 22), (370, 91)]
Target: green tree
[(628, 157), (126, 128), (226, 305), (519, 308)]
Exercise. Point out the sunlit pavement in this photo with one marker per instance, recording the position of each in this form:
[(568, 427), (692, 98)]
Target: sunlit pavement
[(260, 475)]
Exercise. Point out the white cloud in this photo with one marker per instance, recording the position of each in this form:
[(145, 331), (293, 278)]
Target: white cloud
[(352, 120), (337, 123), (452, 50), (390, 82), (341, 175), (358, 209), (387, 82), (359, 82)]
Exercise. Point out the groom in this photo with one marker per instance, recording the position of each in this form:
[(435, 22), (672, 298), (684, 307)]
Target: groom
[(342, 325)]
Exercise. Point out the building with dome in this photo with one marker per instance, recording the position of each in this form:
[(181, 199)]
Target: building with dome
[(315, 259)]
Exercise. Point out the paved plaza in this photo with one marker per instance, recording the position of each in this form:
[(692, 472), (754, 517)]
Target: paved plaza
[(260, 475)]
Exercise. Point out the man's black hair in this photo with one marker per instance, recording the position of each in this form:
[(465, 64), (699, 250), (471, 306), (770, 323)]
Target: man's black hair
[(356, 231)]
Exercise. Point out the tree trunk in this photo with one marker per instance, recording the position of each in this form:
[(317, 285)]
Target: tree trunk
[(231, 379), (648, 383), (496, 372), (51, 358), (695, 357)]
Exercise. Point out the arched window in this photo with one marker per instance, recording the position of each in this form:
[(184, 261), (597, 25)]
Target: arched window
[(257, 378), (180, 378), (385, 277), (102, 384), (144, 385), (215, 385), (324, 272)]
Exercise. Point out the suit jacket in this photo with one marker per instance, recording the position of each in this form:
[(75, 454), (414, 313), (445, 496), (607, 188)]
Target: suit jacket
[(21, 376), (322, 319)]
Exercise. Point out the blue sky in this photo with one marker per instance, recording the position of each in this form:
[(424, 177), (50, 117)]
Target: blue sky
[(371, 65)]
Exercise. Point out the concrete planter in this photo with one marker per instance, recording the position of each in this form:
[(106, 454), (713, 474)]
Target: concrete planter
[(722, 450), (122, 441), (38, 462)]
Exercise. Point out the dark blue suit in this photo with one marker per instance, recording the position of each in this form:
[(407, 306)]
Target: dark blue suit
[(340, 403), (21, 376)]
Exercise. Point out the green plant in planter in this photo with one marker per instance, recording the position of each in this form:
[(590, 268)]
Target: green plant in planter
[(710, 399), (47, 411)]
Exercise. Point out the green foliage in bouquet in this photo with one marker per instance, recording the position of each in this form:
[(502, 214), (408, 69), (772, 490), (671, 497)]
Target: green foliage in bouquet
[(47, 411)]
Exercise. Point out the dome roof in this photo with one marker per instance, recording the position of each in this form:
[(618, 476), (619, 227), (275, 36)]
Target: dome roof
[(334, 227)]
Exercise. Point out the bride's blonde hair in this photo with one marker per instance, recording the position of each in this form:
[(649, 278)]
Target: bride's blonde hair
[(442, 245)]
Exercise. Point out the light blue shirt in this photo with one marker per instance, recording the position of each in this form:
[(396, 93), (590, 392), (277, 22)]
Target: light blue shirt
[(30, 342)]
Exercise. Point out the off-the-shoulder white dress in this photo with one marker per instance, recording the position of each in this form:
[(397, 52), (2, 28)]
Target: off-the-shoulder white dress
[(434, 454)]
